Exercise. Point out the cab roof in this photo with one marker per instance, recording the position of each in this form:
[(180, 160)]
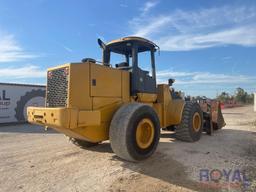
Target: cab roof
[(124, 45)]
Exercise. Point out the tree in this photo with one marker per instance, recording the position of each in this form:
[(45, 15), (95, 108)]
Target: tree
[(242, 96), (224, 97), (250, 98)]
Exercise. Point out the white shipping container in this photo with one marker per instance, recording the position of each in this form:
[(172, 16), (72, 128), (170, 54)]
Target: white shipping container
[(15, 98)]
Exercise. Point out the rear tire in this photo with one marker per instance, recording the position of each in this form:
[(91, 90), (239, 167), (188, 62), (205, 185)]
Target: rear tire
[(134, 132), (191, 126), (82, 143)]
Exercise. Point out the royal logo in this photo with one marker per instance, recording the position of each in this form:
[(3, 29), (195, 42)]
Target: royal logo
[(217, 178), (4, 100)]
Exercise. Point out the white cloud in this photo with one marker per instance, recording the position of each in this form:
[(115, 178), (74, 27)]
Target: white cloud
[(30, 71), (68, 49), (189, 30), (155, 25), (244, 36), (203, 78), (10, 50), (148, 6)]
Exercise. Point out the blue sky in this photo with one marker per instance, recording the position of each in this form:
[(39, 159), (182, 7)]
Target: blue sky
[(207, 46)]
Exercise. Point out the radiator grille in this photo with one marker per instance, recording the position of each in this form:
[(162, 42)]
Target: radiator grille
[(57, 88)]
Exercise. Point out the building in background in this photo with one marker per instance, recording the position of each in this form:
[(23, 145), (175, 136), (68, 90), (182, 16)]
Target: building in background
[(15, 98)]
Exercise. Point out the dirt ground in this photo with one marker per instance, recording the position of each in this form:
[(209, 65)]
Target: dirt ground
[(34, 160)]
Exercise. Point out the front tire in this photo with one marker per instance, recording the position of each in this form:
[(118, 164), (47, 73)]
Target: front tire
[(191, 126), (134, 132)]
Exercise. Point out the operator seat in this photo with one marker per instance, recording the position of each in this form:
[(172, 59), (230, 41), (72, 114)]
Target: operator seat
[(123, 66)]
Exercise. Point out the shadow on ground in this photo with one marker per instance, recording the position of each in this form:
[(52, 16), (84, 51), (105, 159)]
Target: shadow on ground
[(26, 128), (103, 147), (163, 167), (170, 135), (226, 113), (160, 166)]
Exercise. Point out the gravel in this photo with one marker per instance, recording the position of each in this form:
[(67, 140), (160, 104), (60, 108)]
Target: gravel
[(34, 160)]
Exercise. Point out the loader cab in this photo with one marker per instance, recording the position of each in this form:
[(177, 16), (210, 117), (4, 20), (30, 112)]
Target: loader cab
[(131, 49)]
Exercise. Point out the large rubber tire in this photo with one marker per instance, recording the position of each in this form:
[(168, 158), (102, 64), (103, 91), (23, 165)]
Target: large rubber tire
[(19, 110), (123, 131), (184, 130), (82, 143)]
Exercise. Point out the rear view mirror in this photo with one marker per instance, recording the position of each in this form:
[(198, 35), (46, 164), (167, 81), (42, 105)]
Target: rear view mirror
[(171, 81), (101, 44)]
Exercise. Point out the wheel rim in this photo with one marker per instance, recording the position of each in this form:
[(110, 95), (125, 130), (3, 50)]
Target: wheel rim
[(196, 122), (144, 133)]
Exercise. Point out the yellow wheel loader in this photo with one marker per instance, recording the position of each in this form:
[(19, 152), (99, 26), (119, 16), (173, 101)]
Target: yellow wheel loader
[(91, 102)]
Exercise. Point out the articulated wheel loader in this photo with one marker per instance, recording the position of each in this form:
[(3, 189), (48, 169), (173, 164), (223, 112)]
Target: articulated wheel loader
[(91, 102)]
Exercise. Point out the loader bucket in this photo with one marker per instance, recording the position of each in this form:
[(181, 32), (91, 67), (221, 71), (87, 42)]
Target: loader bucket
[(217, 116), (212, 114)]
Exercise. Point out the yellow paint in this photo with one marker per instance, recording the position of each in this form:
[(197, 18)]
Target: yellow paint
[(197, 122), (95, 92), (159, 110), (52, 117), (125, 86), (90, 108), (89, 118), (174, 111), (146, 97), (169, 110), (100, 102), (108, 81), (93, 133), (79, 86), (59, 66), (145, 133)]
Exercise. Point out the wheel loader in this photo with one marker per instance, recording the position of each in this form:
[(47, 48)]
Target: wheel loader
[(92, 101)]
